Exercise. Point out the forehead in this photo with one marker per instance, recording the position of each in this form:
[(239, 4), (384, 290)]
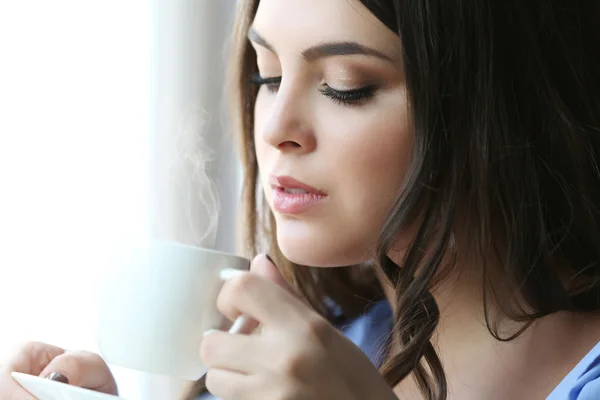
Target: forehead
[(294, 25)]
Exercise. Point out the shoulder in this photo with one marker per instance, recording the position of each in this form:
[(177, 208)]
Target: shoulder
[(587, 387), (371, 330), (583, 382)]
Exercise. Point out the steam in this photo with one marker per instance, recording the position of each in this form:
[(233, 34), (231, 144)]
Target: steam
[(198, 155), (193, 206)]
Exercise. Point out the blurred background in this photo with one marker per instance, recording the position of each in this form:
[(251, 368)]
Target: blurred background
[(112, 126)]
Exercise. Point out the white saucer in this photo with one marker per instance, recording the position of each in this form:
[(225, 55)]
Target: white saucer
[(45, 389)]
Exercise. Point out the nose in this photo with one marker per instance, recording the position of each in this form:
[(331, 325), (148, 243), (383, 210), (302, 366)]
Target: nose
[(287, 126)]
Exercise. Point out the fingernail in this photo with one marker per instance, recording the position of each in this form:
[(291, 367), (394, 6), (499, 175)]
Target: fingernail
[(270, 259), (58, 377), (230, 273), (210, 331)]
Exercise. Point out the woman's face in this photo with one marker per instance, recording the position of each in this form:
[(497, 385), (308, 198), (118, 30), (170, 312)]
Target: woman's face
[(333, 137)]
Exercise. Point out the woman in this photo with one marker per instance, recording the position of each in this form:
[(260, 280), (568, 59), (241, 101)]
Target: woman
[(447, 152)]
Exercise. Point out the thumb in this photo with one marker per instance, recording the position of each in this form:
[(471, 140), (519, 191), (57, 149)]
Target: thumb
[(83, 369), (263, 266)]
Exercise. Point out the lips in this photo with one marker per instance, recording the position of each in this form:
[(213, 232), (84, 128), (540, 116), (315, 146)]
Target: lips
[(292, 186), (291, 196)]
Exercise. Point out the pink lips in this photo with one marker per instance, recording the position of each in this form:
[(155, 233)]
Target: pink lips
[(291, 196)]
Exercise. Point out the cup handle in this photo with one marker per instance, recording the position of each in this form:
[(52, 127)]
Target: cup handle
[(241, 324)]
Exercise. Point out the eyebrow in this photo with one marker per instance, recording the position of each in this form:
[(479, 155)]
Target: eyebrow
[(323, 50)]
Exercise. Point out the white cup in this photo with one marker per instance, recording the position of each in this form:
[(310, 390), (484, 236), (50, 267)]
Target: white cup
[(156, 306)]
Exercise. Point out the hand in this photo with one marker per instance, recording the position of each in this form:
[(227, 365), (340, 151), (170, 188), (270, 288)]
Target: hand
[(298, 355), (81, 369)]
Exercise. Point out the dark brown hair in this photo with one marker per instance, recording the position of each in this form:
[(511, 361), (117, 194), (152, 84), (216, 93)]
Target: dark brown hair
[(505, 105)]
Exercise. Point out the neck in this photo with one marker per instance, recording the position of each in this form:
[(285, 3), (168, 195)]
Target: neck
[(473, 358), (460, 302)]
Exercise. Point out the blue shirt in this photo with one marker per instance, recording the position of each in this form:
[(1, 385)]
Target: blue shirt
[(371, 330), (583, 382)]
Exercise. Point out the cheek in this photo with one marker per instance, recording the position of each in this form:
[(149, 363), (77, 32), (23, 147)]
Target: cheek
[(377, 158), (364, 158), (371, 157), (368, 156)]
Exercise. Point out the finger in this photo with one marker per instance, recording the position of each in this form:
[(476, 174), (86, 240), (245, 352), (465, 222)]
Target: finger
[(263, 266), (259, 298), (33, 357), (236, 353), (227, 385), (10, 389), (83, 369)]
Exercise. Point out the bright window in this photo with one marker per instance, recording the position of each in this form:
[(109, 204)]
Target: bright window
[(85, 90)]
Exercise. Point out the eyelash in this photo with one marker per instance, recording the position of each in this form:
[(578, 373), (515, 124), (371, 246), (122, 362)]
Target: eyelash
[(344, 97)]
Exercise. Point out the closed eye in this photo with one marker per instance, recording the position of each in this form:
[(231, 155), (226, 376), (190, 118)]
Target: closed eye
[(343, 97), (349, 97), (272, 84)]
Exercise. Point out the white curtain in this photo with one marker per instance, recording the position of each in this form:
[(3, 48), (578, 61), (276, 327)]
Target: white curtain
[(109, 113)]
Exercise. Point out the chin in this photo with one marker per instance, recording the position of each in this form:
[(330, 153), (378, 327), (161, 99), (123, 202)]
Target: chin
[(317, 246)]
